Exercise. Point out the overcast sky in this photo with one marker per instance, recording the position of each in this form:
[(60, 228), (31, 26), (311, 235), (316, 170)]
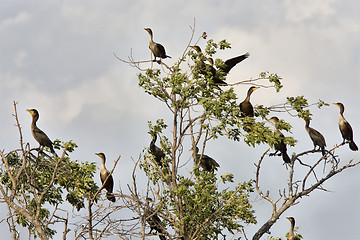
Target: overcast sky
[(57, 57)]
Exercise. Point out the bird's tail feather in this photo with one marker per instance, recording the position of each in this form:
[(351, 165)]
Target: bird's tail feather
[(53, 151), (286, 157), (353, 146), (323, 151), (110, 197), (160, 231)]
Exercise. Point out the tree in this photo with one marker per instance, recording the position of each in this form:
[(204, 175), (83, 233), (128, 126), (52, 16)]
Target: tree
[(33, 184), (180, 198), (201, 111)]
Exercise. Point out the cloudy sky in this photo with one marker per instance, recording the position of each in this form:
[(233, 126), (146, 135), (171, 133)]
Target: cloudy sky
[(57, 57)]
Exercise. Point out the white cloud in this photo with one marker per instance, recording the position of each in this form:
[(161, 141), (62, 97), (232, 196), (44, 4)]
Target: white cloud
[(20, 18), (112, 89), (298, 11)]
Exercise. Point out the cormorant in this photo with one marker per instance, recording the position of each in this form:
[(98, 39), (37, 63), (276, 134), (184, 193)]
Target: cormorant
[(156, 151), (205, 162), (230, 63), (280, 146), (207, 69), (292, 235), (156, 48), (345, 128), (246, 107), (196, 48), (213, 71), (104, 173), (201, 65), (316, 137), (39, 135), (153, 220)]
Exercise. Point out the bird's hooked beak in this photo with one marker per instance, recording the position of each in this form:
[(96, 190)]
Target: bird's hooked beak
[(30, 111)]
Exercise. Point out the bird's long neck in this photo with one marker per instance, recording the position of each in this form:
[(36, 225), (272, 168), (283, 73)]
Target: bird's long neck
[(276, 131), (152, 143), (247, 99), (307, 123), (34, 120), (341, 114), (196, 155), (341, 110), (150, 37), (196, 151), (103, 160), (292, 227)]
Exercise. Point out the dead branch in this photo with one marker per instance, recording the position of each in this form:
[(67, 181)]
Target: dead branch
[(293, 194)]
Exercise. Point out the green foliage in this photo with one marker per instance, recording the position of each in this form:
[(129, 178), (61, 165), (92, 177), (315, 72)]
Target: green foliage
[(273, 78), (44, 181), (195, 201), (219, 111), (321, 103), (207, 210), (158, 127), (300, 103)]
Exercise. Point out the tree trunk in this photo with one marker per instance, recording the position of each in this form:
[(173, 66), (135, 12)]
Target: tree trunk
[(37, 224)]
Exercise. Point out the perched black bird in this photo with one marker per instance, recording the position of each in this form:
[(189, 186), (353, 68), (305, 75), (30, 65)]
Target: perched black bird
[(207, 69), (204, 161), (230, 63), (246, 107), (105, 174), (292, 235), (280, 146), (213, 71), (196, 48), (39, 135), (201, 65), (225, 69), (156, 48), (157, 152), (316, 137), (153, 220), (345, 128)]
